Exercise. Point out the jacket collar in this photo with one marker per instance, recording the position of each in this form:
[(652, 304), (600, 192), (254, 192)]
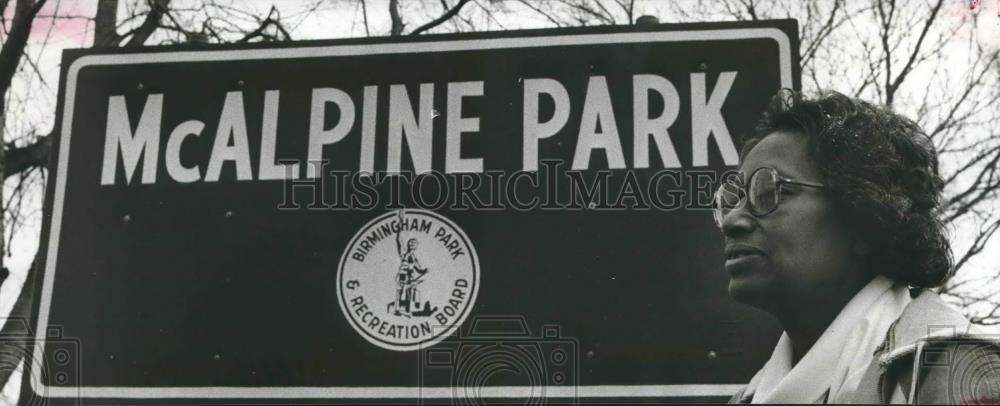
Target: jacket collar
[(927, 317)]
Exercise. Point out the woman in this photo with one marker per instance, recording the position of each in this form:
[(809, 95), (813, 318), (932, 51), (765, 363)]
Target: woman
[(831, 227)]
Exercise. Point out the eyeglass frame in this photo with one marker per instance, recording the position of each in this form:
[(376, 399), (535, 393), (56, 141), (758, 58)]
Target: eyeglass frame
[(779, 182)]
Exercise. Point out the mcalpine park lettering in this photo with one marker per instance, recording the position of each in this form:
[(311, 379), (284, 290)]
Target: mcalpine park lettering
[(146, 148)]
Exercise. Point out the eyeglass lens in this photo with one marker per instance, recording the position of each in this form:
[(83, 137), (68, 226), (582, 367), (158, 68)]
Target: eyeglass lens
[(762, 191), (729, 196)]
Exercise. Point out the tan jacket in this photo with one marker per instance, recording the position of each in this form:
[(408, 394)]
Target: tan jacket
[(931, 356)]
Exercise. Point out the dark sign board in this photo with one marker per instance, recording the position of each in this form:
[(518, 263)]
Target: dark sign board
[(507, 215)]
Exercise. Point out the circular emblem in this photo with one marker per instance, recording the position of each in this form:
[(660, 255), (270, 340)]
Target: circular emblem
[(408, 279)]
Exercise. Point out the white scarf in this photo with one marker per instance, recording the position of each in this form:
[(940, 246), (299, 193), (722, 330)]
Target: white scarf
[(836, 362)]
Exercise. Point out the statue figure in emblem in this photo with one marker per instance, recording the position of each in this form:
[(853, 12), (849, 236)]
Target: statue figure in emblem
[(408, 276)]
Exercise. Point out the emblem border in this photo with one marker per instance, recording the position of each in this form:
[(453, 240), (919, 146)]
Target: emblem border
[(449, 330)]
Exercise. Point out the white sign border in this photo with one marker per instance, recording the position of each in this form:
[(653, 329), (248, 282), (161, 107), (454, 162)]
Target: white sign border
[(585, 391)]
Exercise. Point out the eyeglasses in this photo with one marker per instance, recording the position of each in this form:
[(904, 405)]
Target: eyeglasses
[(764, 189)]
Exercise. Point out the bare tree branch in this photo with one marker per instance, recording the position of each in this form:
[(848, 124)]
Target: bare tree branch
[(971, 163), (628, 6), (16, 328), (751, 9), (985, 184), (982, 237), (23, 158), (13, 48), (157, 8), (950, 119), (606, 12), (397, 21), (105, 33), (273, 19), (891, 88), (587, 11), (444, 17), (824, 31), (3, 7), (885, 17), (545, 14), (364, 13), (10, 57)]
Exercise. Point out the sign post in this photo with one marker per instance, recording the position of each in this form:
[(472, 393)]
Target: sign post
[(398, 218)]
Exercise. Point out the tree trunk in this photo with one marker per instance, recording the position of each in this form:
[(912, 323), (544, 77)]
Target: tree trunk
[(15, 328), (105, 24), (16, 332), (10, 57), (397, 20)]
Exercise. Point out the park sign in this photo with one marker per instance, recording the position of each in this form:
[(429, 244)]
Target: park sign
[(515, 215)]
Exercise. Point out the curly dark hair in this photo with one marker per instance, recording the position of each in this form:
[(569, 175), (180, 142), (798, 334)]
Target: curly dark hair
[(882, 169)]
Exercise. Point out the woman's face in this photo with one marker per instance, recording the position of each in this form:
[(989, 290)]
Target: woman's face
[(802, 248)]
